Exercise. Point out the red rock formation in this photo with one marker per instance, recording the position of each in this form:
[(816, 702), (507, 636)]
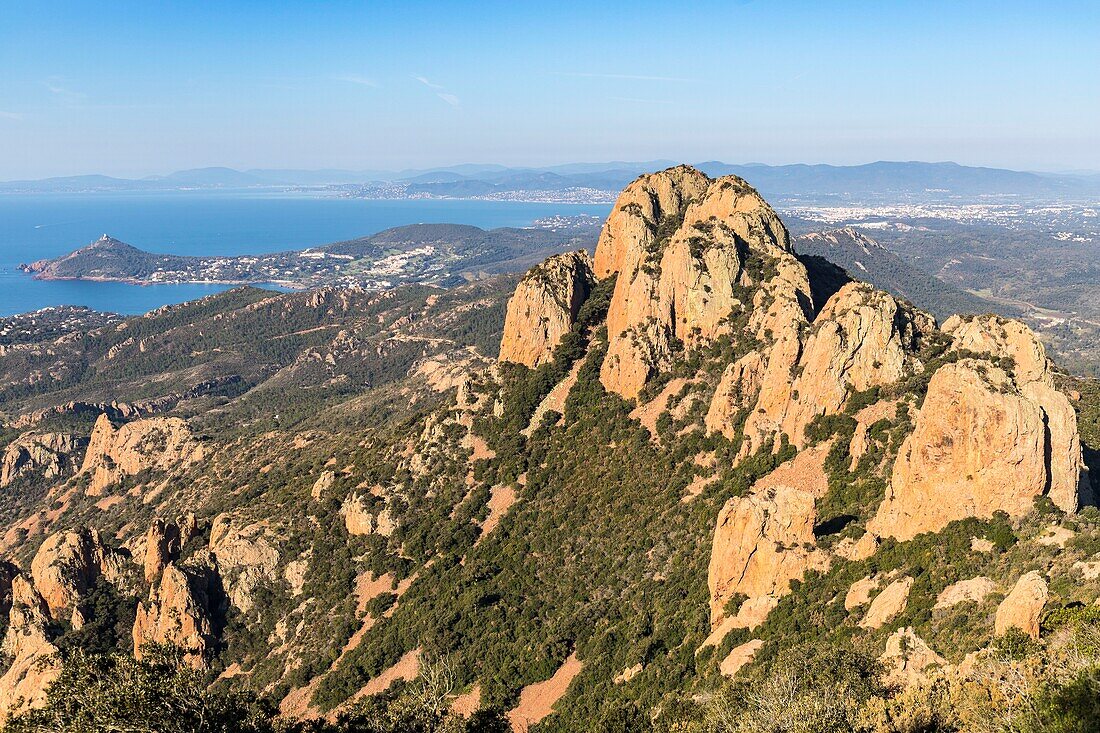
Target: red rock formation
[(544, 307)]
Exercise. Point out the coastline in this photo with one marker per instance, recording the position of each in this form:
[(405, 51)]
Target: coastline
[(288, 284)]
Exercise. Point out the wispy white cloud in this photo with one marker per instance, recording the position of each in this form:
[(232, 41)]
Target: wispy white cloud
[(450, 99), (56, 86), (360, 80), (440, 91), (10, 115), (426, 82), (634, 77)]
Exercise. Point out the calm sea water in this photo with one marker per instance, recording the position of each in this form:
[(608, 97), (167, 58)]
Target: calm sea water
[(33, 227)]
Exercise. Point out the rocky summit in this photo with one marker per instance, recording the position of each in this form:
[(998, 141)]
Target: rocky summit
[(636, 490)]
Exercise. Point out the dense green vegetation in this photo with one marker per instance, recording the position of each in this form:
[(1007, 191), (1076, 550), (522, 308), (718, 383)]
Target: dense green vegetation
[(110, 693)]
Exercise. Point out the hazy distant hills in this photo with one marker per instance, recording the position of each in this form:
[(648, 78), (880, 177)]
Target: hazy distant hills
[(883, 178), (879, 180)]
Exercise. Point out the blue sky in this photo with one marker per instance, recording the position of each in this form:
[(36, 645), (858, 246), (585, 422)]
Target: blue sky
[(137, 88)]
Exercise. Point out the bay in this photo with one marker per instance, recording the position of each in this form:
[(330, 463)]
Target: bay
[(224, 223)]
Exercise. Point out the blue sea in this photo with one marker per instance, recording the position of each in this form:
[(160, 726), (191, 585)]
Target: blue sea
[(37, 226)]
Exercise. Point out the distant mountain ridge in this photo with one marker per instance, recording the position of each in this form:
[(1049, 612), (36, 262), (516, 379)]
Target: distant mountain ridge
[(877, 179)]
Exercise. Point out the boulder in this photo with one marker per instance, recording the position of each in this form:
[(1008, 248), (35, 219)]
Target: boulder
[(974, 589), (908, 657), (887, 604), (859, 593), (739, 656), (1023, 606), (544, 307)]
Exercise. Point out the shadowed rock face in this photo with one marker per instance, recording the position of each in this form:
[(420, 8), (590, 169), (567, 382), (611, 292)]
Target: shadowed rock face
[(544, 307), (180, 612), (50, 455)]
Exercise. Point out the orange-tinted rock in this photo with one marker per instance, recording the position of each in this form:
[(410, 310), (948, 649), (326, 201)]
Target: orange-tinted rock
[(162, 546), (861, 338), (761, 543), (978, 447), (1068, 479), (27, 644), (544, 307), (908, 657), (739, 656), (686, 250), (68, 564), (1023, 606), (887, 604), (178, 612), (49, 455), (974, 589), (161, 443)]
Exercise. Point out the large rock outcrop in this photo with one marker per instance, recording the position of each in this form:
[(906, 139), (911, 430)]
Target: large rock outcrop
[(693, 256), (1024, 355), (544, 307), (26, 644), (48, 455), (761, 543), (246, 557), (181, 611), (992, 435), (160, 443), (861, 338), (68, 564)]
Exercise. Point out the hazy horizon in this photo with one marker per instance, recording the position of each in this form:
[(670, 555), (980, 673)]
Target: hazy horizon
[(131, 89), (410, 170)]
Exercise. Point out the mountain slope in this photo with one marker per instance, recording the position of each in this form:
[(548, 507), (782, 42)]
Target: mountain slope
[(719, 463), (865, 259)]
